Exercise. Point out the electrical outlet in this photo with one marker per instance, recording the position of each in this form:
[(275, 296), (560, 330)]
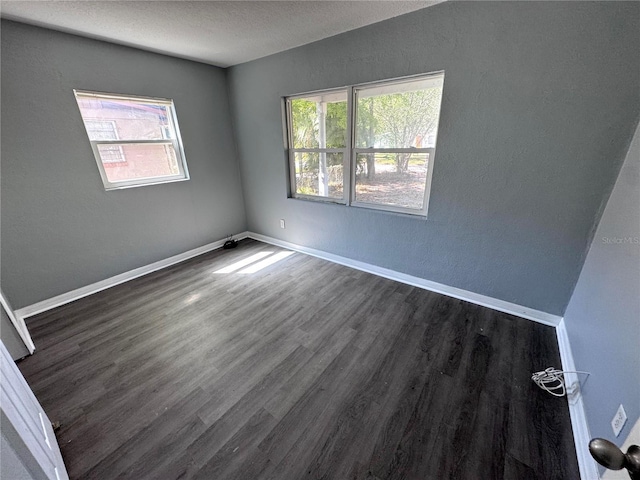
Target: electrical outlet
[(282, 223), (619, 420)]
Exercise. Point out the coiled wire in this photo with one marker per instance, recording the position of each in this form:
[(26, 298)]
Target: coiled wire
[(552, 380)]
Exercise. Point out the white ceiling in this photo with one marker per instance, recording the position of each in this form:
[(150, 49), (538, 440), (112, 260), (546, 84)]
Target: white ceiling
[(220, 33)]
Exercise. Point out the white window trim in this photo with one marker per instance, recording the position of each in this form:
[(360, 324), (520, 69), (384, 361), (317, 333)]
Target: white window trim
[(292, 151), (394, 208), (175, 142), (115, 132), (350, 152)]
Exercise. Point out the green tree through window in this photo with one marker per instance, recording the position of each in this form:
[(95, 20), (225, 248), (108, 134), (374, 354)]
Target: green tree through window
[(384, 160)]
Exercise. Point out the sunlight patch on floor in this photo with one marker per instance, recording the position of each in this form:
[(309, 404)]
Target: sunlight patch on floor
[(243, 263), (256, 267)]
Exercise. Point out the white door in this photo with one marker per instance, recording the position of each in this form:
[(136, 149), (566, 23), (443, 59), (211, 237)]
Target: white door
[(35, 443)]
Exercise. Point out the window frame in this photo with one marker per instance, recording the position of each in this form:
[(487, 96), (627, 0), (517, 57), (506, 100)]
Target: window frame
[(176, 142), (115, 133), (291, 151), (351, 151)]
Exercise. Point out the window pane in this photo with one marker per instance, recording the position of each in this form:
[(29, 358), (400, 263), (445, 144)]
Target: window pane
[(135, 139), (399, 115), (129, 119), (111, 154), (101, 130), (319, 121), (396, 179), (319, 174), (138, 161)]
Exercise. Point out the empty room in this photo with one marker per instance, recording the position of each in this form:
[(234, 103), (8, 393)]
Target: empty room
[(341, 240)]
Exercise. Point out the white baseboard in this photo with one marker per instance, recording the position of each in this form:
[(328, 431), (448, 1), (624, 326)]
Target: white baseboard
[(588, 467), (483, 300), (581, 436), (81, 292)]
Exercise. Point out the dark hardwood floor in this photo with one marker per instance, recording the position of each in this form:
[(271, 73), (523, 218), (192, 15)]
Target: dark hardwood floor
[(304, 369)]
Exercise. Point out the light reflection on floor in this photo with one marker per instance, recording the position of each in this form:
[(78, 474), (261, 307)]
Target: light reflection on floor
[(243, 263), (266, 262), (255, 263)]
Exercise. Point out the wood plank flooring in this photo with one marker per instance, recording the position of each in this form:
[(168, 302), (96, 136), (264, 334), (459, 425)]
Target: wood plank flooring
[(304, 369)]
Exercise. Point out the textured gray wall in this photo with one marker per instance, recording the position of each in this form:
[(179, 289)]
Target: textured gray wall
[(540, 102), (60, 229), (603, 316)]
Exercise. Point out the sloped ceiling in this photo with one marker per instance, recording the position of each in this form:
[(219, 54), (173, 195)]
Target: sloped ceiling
[(221, 33)]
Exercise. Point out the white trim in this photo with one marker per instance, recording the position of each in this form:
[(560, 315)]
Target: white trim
[(349, 167), (395, 150), (18, 322), (387, 207), (351, 152), (319, 150), (175, 142), (588, 467), (380, 84), (581, 435), (29, 428), (116, 96), (81, 292), (476, 298), (117, 141)]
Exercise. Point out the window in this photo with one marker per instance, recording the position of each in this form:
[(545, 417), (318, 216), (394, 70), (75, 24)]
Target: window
[(318, 141), (110, 154), (135, 140), (369, 146)]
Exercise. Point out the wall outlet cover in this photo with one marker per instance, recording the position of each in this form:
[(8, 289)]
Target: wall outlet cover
[(619, 420)]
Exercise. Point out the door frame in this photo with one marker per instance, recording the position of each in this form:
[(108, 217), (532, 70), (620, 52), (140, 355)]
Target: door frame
[(18, 323), (26, 426)]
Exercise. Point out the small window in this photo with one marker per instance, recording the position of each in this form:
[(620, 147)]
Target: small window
[(369, 146), (135, 140)]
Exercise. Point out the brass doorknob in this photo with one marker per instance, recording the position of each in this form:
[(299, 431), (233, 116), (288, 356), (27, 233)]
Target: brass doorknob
[(610, 456)]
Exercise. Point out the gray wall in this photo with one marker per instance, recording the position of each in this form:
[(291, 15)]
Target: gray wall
[(60, 229), (540, 102), (603, 316)]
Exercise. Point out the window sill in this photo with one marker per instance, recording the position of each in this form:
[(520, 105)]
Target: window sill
[(362, 206)]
